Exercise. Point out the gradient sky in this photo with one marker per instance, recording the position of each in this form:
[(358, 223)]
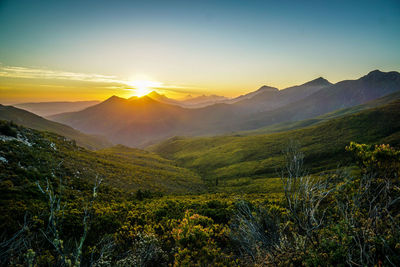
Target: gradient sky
[(92, 49)]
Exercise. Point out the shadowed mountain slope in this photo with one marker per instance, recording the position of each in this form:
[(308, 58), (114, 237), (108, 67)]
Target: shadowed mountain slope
[(269, 98), (142, 121), (286, 126), (341, 95), (27, 119), (127, 121)]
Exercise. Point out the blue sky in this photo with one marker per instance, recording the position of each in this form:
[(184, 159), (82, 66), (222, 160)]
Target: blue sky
[(225, 47)]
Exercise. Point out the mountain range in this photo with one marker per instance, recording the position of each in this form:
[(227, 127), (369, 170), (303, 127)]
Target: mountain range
[(45, 109), (139, 122)]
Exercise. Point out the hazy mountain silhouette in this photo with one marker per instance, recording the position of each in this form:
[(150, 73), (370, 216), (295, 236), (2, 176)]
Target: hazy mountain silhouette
[(189, 102), (131, 121), (268, 98), (140, 121), (263, 89), (163, 99), (46, 109), (203, 101), (343, 94)]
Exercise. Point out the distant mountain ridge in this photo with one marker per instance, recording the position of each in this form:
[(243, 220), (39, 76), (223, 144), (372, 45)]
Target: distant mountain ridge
[(268, 98), (123, 120), (343, 94), (207, 100), (261, 90), (203, 101), (191, 102), (46, 109), (142, 121)]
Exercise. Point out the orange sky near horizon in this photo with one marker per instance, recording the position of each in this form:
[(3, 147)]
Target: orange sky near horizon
[(21, 84)]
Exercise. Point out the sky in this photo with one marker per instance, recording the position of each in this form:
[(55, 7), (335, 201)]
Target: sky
[(81, 50)]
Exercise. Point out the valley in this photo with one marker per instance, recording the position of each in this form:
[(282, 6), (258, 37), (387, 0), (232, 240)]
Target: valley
[(145, 170), (199, 133)]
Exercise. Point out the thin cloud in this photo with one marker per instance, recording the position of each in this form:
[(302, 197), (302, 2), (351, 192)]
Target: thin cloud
[(41, 73), (33, 73)]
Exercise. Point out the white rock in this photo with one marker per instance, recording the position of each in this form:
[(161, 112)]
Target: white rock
[(3, 159)]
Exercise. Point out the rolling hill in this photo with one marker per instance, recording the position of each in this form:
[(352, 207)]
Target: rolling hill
[(247, 162), (27, 119), (286, 126), (28, 156)]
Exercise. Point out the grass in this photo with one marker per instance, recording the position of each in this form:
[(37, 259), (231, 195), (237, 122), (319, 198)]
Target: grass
[(248, 162)]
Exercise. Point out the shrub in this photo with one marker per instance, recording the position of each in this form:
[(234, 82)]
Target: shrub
[(6, 128)]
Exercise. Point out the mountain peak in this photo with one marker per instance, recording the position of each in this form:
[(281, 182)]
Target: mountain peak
[(320, 81), (377, 75), (375, 72), (267, 88), (154, 94), (113, 99)]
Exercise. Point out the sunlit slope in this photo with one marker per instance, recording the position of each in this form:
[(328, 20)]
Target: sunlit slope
[(28, 119), (240, 158), (287, 126), (133, 168), (35, 155)]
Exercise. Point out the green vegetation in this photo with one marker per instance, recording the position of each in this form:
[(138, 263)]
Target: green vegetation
[(27, 119), (249, 161), (41, 155), (287, 126), (317, 221), (270, 202)]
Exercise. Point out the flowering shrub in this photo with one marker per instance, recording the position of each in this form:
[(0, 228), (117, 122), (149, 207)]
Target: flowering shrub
[(197, 238)]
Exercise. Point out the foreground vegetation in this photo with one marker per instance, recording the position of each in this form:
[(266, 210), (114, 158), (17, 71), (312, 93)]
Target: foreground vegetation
[(52, 215), (263, 200)]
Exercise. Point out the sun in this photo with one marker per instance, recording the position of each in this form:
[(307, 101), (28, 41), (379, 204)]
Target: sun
[(143, 87), (142, 91)]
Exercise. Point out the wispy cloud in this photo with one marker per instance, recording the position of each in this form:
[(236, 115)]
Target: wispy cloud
[(35, 73), (114, 81)]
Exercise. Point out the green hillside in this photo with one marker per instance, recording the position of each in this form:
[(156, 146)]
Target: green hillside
[(287, 126), (238, 162), (125, 226), (28, 119), (32, 155)]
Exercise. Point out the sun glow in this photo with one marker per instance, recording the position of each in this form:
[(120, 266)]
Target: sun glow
[(142, 87)]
